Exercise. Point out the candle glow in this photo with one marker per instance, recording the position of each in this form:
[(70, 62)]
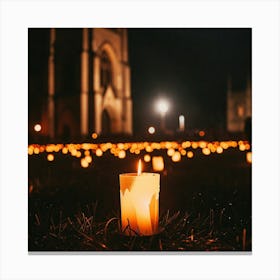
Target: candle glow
[(139, 168), (158, 163), (139, 197)]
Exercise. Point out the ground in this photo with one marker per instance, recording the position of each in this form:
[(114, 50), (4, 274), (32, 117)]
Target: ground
[(205, 201)]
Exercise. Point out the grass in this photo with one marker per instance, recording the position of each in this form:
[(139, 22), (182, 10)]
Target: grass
[(205, 204), (179, 231)]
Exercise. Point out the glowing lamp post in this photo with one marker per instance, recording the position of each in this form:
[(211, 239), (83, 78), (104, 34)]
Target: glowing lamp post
[(181, 123), (151, 130), (139, 196), (37, 127), (162, 107)]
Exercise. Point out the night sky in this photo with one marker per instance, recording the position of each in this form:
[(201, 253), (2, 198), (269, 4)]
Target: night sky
[(189, 67)]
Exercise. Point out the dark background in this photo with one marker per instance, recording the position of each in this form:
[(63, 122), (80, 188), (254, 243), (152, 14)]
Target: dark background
[(188, 66)]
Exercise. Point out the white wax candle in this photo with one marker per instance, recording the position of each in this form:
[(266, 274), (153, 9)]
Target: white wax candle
[(139, 195), (158, 163)]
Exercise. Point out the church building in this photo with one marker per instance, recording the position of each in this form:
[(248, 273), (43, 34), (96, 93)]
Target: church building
[(88, 84), (239, 108)]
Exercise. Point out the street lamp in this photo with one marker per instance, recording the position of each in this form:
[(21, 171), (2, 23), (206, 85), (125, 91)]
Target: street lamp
[(37, 127), (181, 123), (151, 130), (162, 108)]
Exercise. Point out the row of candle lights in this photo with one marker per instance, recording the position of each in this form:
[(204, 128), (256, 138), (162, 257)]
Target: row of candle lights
[(137, 147), (175, 150)]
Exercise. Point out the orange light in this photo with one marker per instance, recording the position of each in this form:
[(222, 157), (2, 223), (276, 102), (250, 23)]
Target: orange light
[(234, 144), (202, 144), (50, 157), (170, 152), (176, 157), (249, 157), (206, 151), (37, 127), (99, 152), (147, 158), (219, 150), (122, 154), (148, 149), (211, 147), (183, 152), (50, 148), (57, 148), (88, 158), (86, 146), (168, 145), (84, 163), (139, 167), (242, 147), (201, 133), (194, 145), (30, 150), (186, 144), (94, 135), (120, 146), (190, 154), (139, 199)]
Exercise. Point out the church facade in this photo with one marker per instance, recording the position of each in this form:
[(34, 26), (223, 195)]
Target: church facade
[(239, 108), (88, 80)]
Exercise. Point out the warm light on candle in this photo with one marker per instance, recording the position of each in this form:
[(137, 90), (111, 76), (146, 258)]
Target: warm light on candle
[(139, 167), (139, 197)]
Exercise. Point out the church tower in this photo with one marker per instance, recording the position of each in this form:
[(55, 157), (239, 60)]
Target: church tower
[(239, 107), (89, 83), (111, 81)]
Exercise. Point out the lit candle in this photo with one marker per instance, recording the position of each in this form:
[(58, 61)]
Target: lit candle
[(249, 157), (158, 163), (139, 195)]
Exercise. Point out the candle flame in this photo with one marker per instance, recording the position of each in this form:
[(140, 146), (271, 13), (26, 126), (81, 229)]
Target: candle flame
[(139, 167)]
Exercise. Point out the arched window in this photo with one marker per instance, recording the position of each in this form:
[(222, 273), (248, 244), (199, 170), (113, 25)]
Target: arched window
[(106, 70)]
